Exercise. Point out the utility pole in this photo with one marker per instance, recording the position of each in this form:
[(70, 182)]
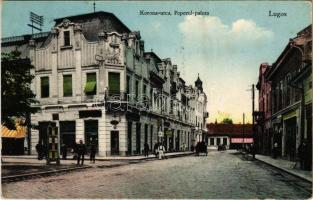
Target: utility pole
[(94, 6), (253, 128), (243, 129)]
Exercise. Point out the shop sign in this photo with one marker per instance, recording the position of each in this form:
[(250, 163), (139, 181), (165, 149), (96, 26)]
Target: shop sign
[(239, 140)]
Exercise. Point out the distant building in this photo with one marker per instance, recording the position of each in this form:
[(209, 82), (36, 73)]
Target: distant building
[(264, 137), (231, 135), (95, 81)]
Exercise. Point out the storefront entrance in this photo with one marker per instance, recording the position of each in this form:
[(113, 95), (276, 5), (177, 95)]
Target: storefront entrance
[(129, 138), (91, 133), (290, 139), (67, 133)]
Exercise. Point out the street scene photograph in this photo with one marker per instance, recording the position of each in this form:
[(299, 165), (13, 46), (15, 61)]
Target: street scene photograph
[(156, 99)]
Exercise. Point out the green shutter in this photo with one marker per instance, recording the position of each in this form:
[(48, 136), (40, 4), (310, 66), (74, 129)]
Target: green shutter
[(67, 85), (91, 84), (114, 83)]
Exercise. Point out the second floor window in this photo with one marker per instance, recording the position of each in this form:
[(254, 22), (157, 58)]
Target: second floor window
[(44, 83), (67, 86), (67, 41), (91, 84), (114, 83)]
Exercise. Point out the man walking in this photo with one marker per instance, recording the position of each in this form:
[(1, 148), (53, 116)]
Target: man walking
[(81, 151), (93, 152)]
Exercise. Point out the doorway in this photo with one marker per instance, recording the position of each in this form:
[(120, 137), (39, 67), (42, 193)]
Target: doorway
[(115, 143), (91, 133), (129, 138)]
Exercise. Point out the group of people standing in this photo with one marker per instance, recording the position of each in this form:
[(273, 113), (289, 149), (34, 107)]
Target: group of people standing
[(79, 150)]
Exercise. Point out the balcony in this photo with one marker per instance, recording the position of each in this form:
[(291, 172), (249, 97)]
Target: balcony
[(120, 100)]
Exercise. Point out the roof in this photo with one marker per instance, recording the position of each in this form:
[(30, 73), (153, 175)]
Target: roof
[(21, 43), (299, 41), (93, 23), (152, 54), (229, 129)]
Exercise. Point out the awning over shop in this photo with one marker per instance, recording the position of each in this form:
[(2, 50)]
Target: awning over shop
[(20, 132), (290, 115), (90, 87)]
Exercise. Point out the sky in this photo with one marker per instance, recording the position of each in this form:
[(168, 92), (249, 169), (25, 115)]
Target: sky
[(225, 47)]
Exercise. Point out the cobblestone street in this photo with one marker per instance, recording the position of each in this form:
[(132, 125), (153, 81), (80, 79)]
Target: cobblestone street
[(219, 175)]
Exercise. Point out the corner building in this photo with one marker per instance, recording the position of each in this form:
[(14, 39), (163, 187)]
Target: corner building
[(95, 82)]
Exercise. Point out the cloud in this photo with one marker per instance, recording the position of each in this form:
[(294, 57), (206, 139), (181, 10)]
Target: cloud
[(227, 58), (209, 32)]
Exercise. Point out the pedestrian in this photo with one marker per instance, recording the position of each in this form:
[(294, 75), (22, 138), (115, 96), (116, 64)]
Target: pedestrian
[(74, 151), (81, 151), (252, 150), (146, 149), (192, 148), (64, 151), (275, 150), (161, 150), (93, 150), (39, 151), (302, 154), (155, 149)]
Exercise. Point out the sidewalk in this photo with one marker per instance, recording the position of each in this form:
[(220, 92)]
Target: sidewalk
[(285, 165), (15, 167)]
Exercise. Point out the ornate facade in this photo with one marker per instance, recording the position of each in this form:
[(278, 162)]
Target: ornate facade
[(95, 82)]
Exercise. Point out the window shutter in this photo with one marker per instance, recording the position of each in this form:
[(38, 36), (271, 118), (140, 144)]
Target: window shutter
[(44, 87), (67, 85)]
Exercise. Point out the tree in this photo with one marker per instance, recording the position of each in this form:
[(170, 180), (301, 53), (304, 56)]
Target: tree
[(227, 121), (16, 95)]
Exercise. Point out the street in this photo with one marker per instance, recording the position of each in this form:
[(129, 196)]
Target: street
[(221, 175)]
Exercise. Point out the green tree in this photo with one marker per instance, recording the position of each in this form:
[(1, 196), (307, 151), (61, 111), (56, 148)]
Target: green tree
[(16, 95), (227, 121)]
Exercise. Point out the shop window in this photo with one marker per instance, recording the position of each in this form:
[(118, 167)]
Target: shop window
[(44, 82), (91, 84), (67, 86), (67, 38), (114, 83)]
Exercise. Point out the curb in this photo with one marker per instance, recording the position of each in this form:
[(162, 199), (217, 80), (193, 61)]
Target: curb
[(283, 169), (46, 173), (29, 175)]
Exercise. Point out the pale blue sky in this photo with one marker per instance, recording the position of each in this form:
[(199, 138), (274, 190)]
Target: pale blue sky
[(226, 47)]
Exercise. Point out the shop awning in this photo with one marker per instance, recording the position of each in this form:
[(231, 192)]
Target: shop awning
[(20, 132)]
